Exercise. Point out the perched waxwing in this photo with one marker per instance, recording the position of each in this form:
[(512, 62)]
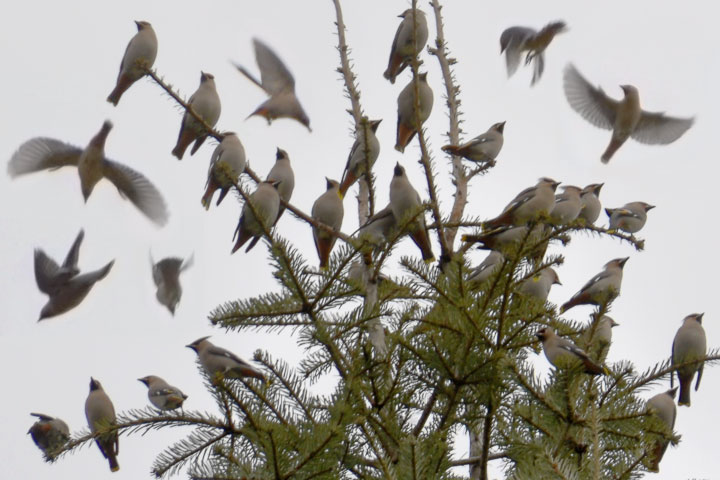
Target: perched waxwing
[(629, 218), (407, 126), (528, 204), (624, 117), (327, 209), (139, 54), (163, 395), (662, 405), (504, 236), (205, 102), (166, 275), (377, 228), (601, 289), (218, 361), (538, 286), (49, 275), (100, 414), (590, 199), (278, 82), (49, 433), (282, 172), (42, 153), (514, 41), (410, 38), (226, 164), (266, 202), (482, 149), (601, 338), (492, 263), (405, 202), (689, 345), (567, 205), (563, 353), (363, 154)]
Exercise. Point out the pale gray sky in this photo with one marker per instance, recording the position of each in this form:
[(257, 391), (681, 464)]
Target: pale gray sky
[(61, 61)]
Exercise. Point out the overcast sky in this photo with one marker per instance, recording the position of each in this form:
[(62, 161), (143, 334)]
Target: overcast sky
[(60, 63)]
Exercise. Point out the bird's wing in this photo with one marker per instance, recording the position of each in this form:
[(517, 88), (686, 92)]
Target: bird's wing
[(274, 74), (188, 262), (566, 344), (221, 352), (90, 278), (538, 67), (600, 276), (42, 153), (512, 41), (654, 128), (46, 270), (71, 260), (138, 189), (590, 102)]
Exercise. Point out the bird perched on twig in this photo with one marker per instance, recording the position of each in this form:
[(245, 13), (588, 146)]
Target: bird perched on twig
[(662, 405), (410, 38), (514, 41), (407, 126), (218, 361), (590, 200), (327, 209), (482, 149), (629, 218), (690, 344), (363, 154), (527, 205), (405, 202), (226, 164), (100, 414), (601, 289), (139, 55), (265, 201), (563, 353), (163, 395), (49, 433), (205, 102)]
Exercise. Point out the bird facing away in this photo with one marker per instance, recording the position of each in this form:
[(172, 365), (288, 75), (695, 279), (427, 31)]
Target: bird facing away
[(265, 201), (100, 414), (42, 153), (282, 172), (278, 82), (527, 205), (487, 267), (602, 288), (563, 353), (205, 102), (624, 117), (405, 203), (538, 286), (410, 38), (690, 344), (163, 395), (139, 55), (49, 433), (482, 149), (629, 218), (363, 153), (662, 406), (166, 275), (226, 164), (515, 41), (217, 361), (568, 205), (590, 199), (327, 209), (407, 126)]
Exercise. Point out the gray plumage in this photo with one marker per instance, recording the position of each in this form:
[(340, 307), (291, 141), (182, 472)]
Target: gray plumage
[(378, 227), (602, 288), (591, 206), (226, 164), (49, 433), (282, 172), (482, 149), (163, 395), (363, 154), (49, 275), (599, 343), (629, 218), (166, 275), (538, 286), (491, 264), (504, 236), (405, 203), (567, 206), (690, 344), (662, 406), (205, 102), (218, 361), (515, 41), (410, 38), (100, 414), (327, 209), (528, 204), (407, 126), (563, 353), (140, 52), (265, 202)]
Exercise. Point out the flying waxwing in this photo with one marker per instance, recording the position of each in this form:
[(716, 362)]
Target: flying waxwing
[(266, 202), (205, 102), (363, 154), (568, 205), (139, 55), (405, 202), (629, 218), (601, 289), (514, 41), (407, 126), (49, 433), (100, 415), (226, 164), (218, 361), (538, 286), (327, 209), (49, 275), (662, 405), (410, 38), (528, 204), (690, 344), (282, 172), (278, 82), (563, 353), (42, 153), (166, 275), (162, 395), (590, 200), (624, 117), (492, 263), (503, 236), (482, 149)]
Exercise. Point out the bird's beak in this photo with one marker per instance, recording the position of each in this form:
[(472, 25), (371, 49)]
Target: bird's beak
[(623, 261)]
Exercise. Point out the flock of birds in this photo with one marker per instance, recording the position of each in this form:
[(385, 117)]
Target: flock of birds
[(67, 287)]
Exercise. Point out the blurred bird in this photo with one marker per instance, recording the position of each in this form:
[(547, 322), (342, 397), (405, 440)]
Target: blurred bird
[(218, 361), (162, 395), (139, 55), (266, 202), (690, 344), (166, 275), (492, 263), (527, 205), (629, 218), (100, 414), (378, 227), (624, 117), (364, 152), (226, 164), (205, 102), (42, 153), (410, 38), (405, 202), (590, 200), (662, 405), (49, 275), (538, 286), (327, 209), (563, 353), (601, 289), (407, 126), (602, 338), (278, 82), (282, 172), (568, 205), (514, 41), (482, 149), (49, 433)]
